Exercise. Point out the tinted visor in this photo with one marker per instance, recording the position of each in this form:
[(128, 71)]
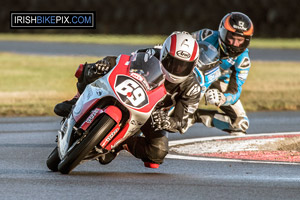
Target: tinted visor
[(177, 67)]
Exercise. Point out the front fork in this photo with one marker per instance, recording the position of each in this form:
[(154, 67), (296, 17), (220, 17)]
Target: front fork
[(64, 136), (65, 133)]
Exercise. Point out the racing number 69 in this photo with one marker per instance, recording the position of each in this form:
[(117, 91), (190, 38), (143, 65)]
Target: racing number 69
[(133, 91)]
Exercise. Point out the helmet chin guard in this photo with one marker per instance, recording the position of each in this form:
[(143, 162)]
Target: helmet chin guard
[(172, 78)]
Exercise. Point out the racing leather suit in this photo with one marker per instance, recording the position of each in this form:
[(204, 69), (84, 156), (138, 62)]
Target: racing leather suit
[(234, 72), (152, 145)]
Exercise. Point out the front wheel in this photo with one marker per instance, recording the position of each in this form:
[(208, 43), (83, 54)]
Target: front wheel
[(53, 160), (96, 134)]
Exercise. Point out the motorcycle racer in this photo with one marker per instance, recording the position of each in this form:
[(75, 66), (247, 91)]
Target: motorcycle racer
[(232, 39), (179, 55)]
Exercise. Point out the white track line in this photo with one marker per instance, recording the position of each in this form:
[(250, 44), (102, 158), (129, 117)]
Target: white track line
[(171, 156), (187, 141)]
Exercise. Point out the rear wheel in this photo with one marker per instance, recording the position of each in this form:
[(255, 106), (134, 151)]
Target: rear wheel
[(99, 130), (53, 160)]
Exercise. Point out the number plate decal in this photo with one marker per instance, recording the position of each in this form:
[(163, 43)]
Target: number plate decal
[(130, 92)]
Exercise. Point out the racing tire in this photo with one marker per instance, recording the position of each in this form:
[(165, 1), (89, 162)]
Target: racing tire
[(95, 135), (53, 160)]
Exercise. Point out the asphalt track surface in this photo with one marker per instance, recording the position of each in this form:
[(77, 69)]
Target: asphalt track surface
[(47, 48), (25, 144)]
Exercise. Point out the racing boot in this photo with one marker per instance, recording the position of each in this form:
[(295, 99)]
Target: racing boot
[(64, 108)]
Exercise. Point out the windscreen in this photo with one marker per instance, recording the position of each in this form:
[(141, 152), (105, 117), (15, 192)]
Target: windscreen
[(146, 69)]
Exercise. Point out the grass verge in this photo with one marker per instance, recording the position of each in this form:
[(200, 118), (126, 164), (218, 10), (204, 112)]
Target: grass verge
[(289, 43), (272, 86), (86, 38), (31, 85)]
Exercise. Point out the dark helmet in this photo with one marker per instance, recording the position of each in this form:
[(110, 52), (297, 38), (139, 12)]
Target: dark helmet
[(235, 24)]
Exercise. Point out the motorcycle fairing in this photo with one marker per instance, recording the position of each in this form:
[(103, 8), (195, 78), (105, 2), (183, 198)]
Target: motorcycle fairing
[(152, 96)]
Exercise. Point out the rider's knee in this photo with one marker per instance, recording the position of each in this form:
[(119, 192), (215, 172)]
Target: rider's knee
[(241, 124), (156, 155), (157, 151), (224, 122)]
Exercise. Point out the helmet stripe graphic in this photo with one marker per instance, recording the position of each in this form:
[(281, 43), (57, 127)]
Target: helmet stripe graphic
[(173, 45), (227, 24), (250, 31), (195, 50)]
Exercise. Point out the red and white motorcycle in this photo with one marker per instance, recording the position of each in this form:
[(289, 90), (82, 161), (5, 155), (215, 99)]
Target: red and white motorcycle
[(110, 110)]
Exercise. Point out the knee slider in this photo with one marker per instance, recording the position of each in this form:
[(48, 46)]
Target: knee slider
[(241, 123)]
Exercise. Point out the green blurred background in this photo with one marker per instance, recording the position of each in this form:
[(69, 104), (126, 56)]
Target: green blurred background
[(30, 85)]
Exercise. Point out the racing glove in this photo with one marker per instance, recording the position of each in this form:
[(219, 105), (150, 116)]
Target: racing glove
[(161, 121), (215, 97), (100, 68)]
